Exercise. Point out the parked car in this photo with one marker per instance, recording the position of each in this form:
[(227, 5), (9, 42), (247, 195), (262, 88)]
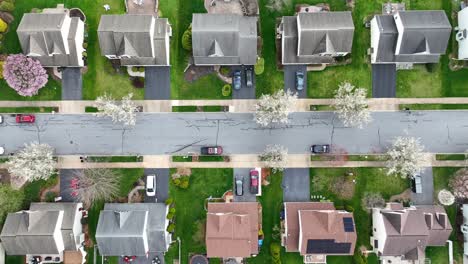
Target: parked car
[(237, 82), (20, 118), (416, 183), (320, 149), (240, 186), (2, 150), (151, 185), (254, 181), (249, 78), (299, 80), (212, 150), (1, 119)]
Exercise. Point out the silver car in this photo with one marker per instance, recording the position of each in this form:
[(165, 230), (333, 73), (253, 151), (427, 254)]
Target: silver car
[(239, 187)]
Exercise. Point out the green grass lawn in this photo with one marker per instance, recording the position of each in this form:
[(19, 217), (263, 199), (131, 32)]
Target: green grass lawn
[(27, 109), (191, 215)]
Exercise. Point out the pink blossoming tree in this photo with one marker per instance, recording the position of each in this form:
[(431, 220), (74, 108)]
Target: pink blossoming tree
[(25, 75)]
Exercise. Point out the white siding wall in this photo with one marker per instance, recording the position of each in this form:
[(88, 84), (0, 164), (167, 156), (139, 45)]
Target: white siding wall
[(79, 43), (401, 30), (375, 35), (378, 229), (463, 25), (64, 32), (58, 233)]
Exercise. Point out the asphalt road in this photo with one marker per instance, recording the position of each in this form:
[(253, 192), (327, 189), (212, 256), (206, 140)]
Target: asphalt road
[(183, 133)]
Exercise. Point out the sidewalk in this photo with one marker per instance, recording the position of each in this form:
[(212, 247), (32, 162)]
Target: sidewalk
[(235, 106)]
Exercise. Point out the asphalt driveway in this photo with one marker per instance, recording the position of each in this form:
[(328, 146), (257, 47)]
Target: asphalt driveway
[(66, 175), (162, 185), (244, 92), (290, 79), (427, 195), (383, 80), (72, 84), (158, 83), (241, 173), (296, 185)]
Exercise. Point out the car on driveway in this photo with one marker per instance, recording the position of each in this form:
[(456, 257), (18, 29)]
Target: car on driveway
[(237, 82), (299, 80), (320, 149), (151, 185), (212, 150), (25, 118), (249, 78), (239, 186), (416, 183), (254, 181)]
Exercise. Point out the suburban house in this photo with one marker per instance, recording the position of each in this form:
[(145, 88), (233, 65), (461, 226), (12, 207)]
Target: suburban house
[(464, 230), (462, 34), (405, 38), (401, 234), (224, 39), (52, 37), (51, 232), (232, 230), (315, 37), (132, 229), (316, 230), (135, 40)]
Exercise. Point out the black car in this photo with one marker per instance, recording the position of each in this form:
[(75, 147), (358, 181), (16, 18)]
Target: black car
[(320, 149), (212, 150), (237, 82)]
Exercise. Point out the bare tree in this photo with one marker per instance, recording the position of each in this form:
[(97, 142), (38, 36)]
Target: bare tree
[(277, 5), (373, 200), (459, 184), (34, 162), (274, 109), (351, 105), (92, 185), (123, 112), (274, 157), (406, 157), (446, 197)]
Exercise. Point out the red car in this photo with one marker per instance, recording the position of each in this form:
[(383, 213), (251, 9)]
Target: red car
[(25, 118), (254, 181), (212, 150)]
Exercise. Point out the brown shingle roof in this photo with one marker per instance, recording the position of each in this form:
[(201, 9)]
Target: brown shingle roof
[(317, 221), (232, 229)]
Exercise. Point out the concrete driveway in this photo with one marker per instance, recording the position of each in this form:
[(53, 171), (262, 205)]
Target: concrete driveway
[(158, 83), (72, 84), (244, 92), (290, 79), (162, 185), (296, 185), (427, 195), (247, 196), (383, 80)]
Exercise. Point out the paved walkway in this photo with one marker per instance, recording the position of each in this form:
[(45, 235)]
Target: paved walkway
[(237, 161), (238, 105)]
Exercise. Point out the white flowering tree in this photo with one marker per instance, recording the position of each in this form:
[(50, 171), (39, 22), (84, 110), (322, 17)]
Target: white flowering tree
[(275, 108), (446, 197), (95, 185), (123, 112), (351, 105), (406, 157), (34, 162), (274, 157)]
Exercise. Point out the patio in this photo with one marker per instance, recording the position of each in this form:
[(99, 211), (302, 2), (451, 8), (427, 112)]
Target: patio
[(147, 7)]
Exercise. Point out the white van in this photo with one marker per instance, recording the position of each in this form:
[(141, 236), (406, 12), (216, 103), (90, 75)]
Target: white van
[(150, 185)]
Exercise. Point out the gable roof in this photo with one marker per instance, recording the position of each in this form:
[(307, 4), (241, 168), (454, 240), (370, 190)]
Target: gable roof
[(132, 229), (142, 37), (232, 229), (224, 39), (307, 35), (410, 230)]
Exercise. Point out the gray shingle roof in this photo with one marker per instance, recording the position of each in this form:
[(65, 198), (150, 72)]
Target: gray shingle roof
[(308, 35), (224, 39), (31, 232), (41, 34), (142, 37), (424, 39), (132, 229)]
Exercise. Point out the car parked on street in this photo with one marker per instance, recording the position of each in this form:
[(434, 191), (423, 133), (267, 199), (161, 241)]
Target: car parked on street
[(151, 185), (20, 118), (249, 78), (237, 80), (320, 149), (239, 186), (254, 181), (212, 150), (299, 80)]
